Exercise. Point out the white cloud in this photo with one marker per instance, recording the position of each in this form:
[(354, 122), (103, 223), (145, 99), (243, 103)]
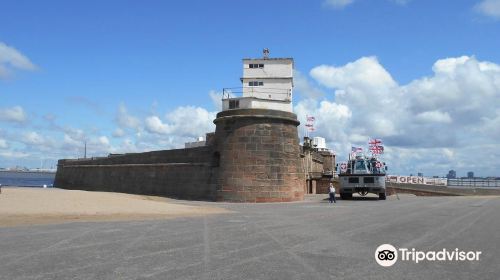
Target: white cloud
[(364, 73), (490, 126), (449, 65), (189, 121), (3, 144), (455, 109), (433, 116), (449, 153), (338, 4), (70, 141), (33, 138), (128, 146), (304, 87), (401, 2), (138, 134), (10, 59), (125, 120), (185, 121), (14, 154), (103, 140), (14, 114), (155, 125), (216, 98), (489, 8), (35, 141), (118, 133)]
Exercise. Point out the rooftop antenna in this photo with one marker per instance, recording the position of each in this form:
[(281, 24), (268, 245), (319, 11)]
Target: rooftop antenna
[(266, 53), (85, 150)]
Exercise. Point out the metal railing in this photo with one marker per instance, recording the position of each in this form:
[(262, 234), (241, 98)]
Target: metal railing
[(258, 92), (474, 183)]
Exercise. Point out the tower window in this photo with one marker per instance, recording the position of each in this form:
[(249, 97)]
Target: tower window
[(255, 84), (256, 65), (234, 104)]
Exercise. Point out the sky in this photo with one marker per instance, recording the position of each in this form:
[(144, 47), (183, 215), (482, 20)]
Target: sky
[(133, 76)]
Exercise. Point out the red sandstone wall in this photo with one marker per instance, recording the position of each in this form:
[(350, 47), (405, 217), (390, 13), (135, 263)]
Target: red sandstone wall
[(182, 173), (323, 186), (260, 160)]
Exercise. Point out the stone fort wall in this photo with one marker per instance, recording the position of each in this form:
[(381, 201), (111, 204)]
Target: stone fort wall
[(254, 156), (260, 156), (182, 173)]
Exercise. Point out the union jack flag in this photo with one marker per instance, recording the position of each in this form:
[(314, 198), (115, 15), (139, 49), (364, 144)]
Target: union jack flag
[(375, 142), (377, 150)]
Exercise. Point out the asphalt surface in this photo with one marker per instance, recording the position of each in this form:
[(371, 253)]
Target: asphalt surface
[(304, 240)]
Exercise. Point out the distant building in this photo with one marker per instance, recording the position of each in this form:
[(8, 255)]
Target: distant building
[(452, 174), (470, 175), (319, 143), (420, 174), (267, 83), (200, 142)]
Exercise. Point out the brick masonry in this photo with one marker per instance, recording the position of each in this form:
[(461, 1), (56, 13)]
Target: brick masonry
[(323, 186), (182, 173), (259, 156)]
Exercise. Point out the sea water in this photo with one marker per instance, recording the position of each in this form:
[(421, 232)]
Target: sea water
[(26, 179)]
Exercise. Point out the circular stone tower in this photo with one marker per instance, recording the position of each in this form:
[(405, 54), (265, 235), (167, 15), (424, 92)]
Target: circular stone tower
[(258, 154)]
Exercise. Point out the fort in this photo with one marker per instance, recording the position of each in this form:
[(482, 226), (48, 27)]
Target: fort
[(253, 156)]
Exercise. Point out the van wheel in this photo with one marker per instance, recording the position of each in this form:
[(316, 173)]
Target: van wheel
[(381, 196)]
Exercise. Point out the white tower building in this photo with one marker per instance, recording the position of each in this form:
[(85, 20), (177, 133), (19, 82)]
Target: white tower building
[(267, 83)]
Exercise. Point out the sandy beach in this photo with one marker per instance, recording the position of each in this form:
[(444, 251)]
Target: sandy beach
[(33, 206)]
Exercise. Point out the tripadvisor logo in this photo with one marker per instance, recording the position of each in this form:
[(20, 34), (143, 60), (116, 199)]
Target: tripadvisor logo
[(387, 255)]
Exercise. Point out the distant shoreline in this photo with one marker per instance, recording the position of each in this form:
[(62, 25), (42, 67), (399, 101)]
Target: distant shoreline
[(27, 186), (29, 171)]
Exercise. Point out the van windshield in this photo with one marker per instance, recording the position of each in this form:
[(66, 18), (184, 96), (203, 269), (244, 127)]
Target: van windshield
[(360, 165)]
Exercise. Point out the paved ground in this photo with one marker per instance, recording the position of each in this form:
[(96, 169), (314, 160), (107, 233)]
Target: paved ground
[(306, 240)]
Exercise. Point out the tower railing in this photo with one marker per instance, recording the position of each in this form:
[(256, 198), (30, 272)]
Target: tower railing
[(257, 92)]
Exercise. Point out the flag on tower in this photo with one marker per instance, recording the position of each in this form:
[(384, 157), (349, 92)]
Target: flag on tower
[(375, 146), (377, 150), (375, 142), (310, 123)]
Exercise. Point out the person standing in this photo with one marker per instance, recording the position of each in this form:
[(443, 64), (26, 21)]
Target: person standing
[(332, 194)]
